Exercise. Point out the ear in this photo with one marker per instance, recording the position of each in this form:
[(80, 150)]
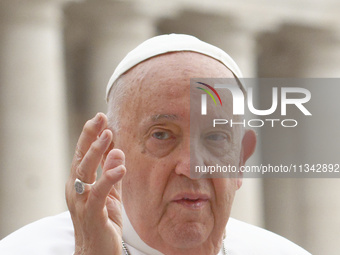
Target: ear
[(248, 146), (247, 149)]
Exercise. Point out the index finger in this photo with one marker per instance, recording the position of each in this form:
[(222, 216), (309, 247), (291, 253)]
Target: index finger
[(91, 130)]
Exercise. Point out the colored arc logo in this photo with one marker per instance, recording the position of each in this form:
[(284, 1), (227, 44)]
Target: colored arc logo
[(208, 92)]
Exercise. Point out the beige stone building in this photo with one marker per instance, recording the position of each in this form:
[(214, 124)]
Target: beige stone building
[(56, 57)]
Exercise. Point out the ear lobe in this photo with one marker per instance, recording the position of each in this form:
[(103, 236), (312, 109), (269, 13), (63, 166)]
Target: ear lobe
[(248, 146)]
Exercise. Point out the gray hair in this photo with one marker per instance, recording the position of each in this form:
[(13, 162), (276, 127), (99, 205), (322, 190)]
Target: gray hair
[(116, 95)]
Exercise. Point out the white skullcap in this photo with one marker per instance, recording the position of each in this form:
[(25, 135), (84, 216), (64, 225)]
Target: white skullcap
[(171, 43)]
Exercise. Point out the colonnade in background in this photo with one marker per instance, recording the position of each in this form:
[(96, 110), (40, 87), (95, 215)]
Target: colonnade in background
[(55, 61), (303, 209), (97, 37), (33, 112)]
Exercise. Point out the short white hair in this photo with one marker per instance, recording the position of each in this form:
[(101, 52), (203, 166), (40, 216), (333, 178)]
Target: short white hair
[(115, 99)]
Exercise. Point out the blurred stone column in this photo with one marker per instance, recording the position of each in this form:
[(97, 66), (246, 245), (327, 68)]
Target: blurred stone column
[(231, 35), (33, 118), (305, 211), (98, 34)]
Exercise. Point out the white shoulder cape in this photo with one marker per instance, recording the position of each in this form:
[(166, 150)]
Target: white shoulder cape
[(54, 236)]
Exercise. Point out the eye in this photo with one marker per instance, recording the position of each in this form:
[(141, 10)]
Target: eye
[(161, 135), (217, 137), (218, 143), (161, 141)]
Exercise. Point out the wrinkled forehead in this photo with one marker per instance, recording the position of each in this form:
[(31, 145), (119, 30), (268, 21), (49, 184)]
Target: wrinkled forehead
[(166, 76), (166, 79)]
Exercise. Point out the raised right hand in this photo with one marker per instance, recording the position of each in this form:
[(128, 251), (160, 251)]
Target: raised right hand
[(96, 214)]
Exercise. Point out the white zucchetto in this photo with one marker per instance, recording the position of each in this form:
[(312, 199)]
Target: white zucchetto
[(162, 44)]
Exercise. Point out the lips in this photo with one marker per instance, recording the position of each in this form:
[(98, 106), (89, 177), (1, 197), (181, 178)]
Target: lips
[(191, 200)]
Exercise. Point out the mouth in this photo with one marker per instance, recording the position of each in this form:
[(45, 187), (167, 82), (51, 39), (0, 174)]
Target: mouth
[(191, 201)]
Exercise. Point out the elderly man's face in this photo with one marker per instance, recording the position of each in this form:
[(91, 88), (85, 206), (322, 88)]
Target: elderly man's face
[(170, 211)]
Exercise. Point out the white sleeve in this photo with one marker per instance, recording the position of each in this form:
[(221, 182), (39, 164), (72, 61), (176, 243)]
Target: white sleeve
[(49, 236), (244, 239)]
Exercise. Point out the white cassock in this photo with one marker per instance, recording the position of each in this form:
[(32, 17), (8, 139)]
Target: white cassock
[(54, 236)]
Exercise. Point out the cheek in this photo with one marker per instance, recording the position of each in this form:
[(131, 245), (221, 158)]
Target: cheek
[(144, 181), (142, 193), (225, 189)]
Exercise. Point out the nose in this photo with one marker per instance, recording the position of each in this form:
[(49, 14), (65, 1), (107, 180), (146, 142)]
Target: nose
[(183, 164), (189, 159)]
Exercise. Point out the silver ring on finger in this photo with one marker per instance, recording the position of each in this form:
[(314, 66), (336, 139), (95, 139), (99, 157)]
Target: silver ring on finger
[(81, 186)]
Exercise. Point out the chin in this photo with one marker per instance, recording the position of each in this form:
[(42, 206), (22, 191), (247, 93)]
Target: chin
[(187, 235)]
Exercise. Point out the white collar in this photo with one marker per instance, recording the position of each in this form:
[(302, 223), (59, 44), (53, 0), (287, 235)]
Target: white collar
[(133, 250)]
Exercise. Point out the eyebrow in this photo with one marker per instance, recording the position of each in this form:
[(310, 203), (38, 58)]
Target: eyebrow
[(164, 116)]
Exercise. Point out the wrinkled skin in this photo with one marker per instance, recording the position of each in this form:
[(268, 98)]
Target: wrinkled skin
[(171, 211)]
